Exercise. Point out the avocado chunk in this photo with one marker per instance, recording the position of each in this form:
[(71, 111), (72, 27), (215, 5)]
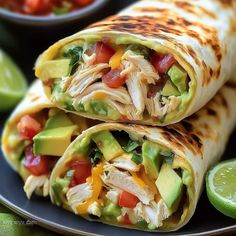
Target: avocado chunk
[(53, 142), (178, 76), (151, 158), (170, 186), (60, 186), (53, 69), (170, 90), (101, 108), (57, 121), (111, 209), (107, 144)]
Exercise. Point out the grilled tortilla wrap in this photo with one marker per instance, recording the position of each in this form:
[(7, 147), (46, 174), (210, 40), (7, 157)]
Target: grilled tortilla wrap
[(154, 63), (141, 177), (35, 136)]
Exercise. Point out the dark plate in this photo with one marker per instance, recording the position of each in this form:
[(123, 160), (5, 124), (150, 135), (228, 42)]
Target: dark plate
[(206, 220)]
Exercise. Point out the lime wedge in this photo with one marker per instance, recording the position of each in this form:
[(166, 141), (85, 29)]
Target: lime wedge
[(12, 83), (221, 187), (12, 225)]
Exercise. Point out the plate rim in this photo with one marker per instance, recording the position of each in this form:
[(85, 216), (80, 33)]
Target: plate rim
[(65, 230)]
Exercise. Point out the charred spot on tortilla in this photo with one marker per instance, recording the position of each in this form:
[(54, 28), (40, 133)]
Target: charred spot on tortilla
[(150, 9), (211, 72), (231, 84), (224, 103), (187, 125), (226, 3), (211, 112), (192, 53)]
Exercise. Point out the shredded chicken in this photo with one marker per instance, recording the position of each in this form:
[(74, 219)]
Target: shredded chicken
[(122, 180), (154, 213), (78, 194), (33, 183), (86, 74), (155, 107), (131, 102), (113, 195), (124, 162), (172, 103), (95, 209), (133, 217), (101, 90), (139, 73)]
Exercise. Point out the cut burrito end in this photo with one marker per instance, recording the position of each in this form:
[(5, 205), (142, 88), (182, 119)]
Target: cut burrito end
[(155, 62), (119, 176), (126, 79), (36, 136)]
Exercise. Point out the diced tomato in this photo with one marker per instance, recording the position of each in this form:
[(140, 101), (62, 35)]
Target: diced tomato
[(83, 2), (162, 63), (37, 6), (126, 220), (37, 165), (82, 172), (128, 200), (124, 118), (103, 52), (113, 79), (28, 127)]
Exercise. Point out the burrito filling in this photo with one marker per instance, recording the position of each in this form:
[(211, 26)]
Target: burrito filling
[(117, 82), (37, 142), (123, 180)]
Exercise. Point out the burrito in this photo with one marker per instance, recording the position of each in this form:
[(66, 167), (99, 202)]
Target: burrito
[(36, 136), (154, 63), (139, 177)]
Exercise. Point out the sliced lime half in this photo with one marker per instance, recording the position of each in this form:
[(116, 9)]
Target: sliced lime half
[(12, 83), (221, 187)]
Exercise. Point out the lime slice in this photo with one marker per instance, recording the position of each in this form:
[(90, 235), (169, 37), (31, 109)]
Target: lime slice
[(12, 225), (221, 187), (12, 83)]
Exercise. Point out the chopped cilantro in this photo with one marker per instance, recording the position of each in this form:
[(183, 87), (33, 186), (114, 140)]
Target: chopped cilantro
[(137, 158), (131, 146)]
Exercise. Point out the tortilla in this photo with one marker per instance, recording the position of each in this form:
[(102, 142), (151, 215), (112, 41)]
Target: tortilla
[(196, 143), (199, 35)]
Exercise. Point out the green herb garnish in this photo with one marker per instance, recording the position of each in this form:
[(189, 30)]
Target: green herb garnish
[(131, 146), (75, 54), (95, 156), (137, 158)]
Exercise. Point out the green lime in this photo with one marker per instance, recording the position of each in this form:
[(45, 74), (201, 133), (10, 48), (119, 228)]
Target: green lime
[(12, 83), (221, 187), (12, 225)]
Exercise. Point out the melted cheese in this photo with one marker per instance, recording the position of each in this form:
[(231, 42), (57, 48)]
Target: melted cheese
[(100, 95), (148, 181), (116, 58), (137, 180), (96, 183)]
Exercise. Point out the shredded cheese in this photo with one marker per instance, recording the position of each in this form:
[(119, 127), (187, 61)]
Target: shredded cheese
[(100, 95), (114, 61), (96, 183), (148, 181), (138, 180)]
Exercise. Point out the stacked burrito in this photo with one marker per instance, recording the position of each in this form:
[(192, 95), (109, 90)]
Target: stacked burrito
[(161, 76)]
